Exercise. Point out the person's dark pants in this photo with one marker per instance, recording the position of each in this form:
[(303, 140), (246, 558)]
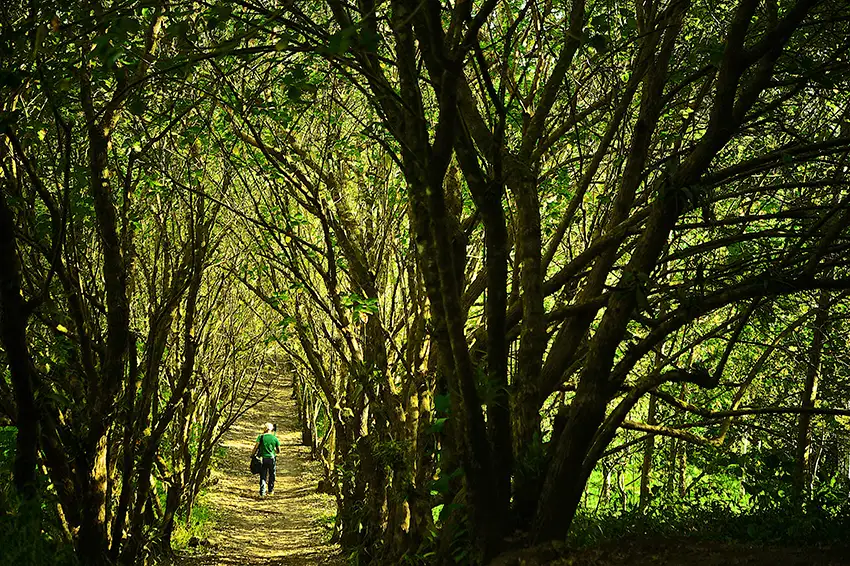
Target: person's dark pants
[(267, 471)]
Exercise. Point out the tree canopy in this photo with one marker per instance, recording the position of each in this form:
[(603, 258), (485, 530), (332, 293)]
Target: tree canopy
[(503, 249)]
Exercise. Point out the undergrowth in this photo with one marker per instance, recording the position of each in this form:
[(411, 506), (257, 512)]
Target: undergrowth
[(818, 522), (30, 532), (326, 522), (203, 518), (199, 525)]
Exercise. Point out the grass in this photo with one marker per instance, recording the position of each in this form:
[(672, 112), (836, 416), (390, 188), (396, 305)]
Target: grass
[(201, 522), (203, 518), (819, 523), (219, 455), (326, 522)]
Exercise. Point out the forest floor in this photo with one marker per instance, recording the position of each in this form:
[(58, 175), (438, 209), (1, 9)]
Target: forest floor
[(656, 551), (676, 551), (288, 528), (284, 529)]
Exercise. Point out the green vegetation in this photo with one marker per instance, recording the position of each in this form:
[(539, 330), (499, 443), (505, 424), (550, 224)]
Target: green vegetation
[(327, 522), (537, 271), (28, 529), (198, 526), (820, 523)]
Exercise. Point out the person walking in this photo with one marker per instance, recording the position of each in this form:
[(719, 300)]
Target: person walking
[(267, 447)]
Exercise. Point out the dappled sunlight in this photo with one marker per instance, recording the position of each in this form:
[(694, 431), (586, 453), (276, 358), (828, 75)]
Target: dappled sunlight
[(281, 529)]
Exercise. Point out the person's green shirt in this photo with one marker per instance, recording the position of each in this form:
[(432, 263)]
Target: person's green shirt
[(269, 444)]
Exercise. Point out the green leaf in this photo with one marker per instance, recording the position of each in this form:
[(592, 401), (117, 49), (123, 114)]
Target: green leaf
[(222, 11), (441, 485), (137, 106), (294, 92), (368, 40), (442, 403), (438, 425), (600, 23), (340, 41), (444, 514), (599, 43)]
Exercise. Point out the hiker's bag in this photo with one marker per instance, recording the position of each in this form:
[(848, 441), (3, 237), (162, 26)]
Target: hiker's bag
[(256, 462)]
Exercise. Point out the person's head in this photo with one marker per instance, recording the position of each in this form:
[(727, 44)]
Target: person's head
[(269, 427)]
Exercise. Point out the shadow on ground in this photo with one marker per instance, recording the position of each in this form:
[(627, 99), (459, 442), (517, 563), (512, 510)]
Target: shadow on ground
[(280, 530)]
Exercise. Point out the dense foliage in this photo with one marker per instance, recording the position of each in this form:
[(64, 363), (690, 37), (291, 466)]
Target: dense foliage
[(527, 264)]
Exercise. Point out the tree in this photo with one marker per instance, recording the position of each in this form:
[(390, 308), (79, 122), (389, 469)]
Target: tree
[(105, 267), (679, 140), (613, 211)]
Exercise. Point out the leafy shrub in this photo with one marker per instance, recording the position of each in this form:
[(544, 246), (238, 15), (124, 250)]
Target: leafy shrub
[(823, 520), (198, 526)]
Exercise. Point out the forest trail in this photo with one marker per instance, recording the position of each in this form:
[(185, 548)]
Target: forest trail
[(280, 530)]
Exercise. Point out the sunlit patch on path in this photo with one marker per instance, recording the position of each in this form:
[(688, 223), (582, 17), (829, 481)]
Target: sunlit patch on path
[(283, 529)]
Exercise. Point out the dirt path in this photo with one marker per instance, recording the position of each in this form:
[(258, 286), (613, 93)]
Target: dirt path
[(280, 530)]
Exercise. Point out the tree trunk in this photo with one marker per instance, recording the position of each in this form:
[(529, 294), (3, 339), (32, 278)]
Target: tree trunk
[(809, 396), (672, 458), (649, 444), (93, 540), (13, 331), (605, 488), (648, 455)]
